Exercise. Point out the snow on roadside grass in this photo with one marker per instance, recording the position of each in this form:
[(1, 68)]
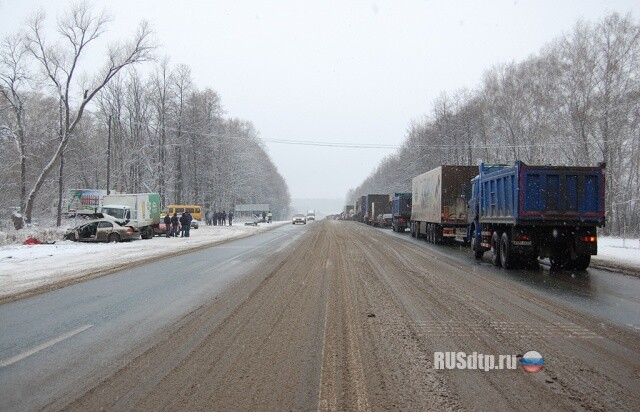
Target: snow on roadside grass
[(25, 267), (618, 251)]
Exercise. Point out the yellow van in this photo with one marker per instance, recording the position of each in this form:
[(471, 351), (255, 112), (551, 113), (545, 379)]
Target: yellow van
[(196, 211)]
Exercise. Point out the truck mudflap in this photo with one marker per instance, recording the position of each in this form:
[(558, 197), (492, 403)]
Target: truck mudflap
[(586, 244)]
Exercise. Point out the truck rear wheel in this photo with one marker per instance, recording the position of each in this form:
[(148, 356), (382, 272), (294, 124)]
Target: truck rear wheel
[(582, 262), (475, 245), (436, 234), (560, 261), (495, 248), (506, 258)]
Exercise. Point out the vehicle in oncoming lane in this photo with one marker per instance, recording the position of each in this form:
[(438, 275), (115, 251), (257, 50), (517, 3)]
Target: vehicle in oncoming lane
[(299, 218)]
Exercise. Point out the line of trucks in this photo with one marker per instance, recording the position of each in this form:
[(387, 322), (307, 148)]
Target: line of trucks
[(141, 210), (518, 212)]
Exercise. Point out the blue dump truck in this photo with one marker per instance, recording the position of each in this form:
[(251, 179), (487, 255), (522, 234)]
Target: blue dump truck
[(523, 212), (400, 211)]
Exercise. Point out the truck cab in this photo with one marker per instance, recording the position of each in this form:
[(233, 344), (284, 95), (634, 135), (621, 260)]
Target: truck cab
[(118, 212)]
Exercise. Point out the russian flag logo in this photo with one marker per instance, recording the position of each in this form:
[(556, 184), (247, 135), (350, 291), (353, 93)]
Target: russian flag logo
[(532, 362)]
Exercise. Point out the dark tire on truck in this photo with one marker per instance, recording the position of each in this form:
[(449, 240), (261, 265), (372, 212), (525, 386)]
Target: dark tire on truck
[(495, 248), (560, 261), (582, 262), (475, 245), (506, 255), (147, 233)]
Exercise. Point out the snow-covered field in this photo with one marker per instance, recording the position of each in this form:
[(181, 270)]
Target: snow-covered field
[(23, 268), (27, 267)]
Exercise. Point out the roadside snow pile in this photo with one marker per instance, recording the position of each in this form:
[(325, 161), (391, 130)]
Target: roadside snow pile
[(618, 252), (26, 267), (17, 237)]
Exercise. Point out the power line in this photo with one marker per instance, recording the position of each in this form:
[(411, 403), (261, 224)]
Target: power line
[(348, 145)]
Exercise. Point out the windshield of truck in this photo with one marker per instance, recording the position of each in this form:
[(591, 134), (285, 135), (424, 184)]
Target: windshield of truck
[(115, 212)]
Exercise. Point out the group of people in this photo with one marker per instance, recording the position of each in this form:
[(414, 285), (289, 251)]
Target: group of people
[(219, 218), (175, 225)]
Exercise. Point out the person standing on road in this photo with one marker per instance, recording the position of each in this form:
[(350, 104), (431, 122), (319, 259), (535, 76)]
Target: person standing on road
[(183, 223), (224, 218), (269, 216), (167, 224), (175, 224), (264, 216), (230, 218), (187, 227)]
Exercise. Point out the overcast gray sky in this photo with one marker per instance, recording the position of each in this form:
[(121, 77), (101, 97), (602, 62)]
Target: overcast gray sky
[(337, 71)]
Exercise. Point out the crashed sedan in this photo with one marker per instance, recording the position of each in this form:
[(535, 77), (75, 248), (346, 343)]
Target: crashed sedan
[(102, 230)]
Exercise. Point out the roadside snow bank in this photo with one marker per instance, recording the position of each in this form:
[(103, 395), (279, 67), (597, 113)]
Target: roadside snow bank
[(29, 268), (618, 254)]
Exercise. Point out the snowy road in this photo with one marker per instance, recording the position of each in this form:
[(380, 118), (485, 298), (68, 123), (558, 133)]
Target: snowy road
[(58, 344), (328, 316)]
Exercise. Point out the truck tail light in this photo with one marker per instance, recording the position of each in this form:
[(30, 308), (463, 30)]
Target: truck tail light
[(402, 219), (522, 237), (589, 239)]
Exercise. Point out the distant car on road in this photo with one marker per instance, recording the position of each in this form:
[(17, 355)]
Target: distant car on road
[(299, 218), (102, 230), (195, 224)]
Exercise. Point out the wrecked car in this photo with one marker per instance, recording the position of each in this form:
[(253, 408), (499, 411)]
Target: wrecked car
[(102, 229)]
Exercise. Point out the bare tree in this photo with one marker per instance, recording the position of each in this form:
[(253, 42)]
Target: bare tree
[(78, 29), (181, 88), (13, 79), (160, 101)]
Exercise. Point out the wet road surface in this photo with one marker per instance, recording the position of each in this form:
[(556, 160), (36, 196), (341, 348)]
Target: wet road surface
[(612, 296)]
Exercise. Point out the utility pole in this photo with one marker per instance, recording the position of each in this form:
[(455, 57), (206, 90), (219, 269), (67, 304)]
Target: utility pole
[(109, 154)]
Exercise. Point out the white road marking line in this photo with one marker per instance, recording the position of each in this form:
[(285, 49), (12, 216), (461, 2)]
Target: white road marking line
[(45, 345)]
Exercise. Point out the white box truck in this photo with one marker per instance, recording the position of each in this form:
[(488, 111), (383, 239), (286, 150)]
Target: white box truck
[(141, 210), (439, 203)]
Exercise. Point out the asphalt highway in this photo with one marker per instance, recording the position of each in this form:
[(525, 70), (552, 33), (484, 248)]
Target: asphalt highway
[(330, 316), (56, 345)]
